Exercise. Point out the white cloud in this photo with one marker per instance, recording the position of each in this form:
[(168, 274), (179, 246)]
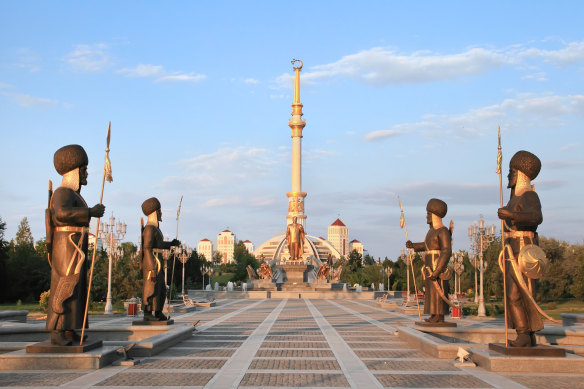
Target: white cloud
[(28, 60), (521, 112), (25, 100), (4, 85), (382, 66), (381, 134), (160, 75), (220, 202), (251, 81), (227, 166), (191, 77), (142, 70), (89, 58)]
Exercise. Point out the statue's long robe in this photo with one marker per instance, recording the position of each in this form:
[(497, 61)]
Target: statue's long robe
[(522, 313), (68, 209), (152, 269), (436, 240)]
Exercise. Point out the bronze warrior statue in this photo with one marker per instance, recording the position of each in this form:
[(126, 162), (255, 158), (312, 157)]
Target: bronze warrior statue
[(521, 216), (151, 261), (295, 240), (68, 219), (438, 248)]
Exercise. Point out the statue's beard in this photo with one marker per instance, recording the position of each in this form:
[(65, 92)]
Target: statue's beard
[(71, 180)]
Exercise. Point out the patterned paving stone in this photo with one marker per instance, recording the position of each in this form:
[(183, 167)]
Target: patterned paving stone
[(193, 352), (554, 381), (378, 345), (211, 337), (293, 364), (294, 380), (300, 338), (37, 379), (294, 353), (432, 365), (292, 332), (157, 379), (180, 364), (430, 381), (390, 354), (204, 343), (295, 345)]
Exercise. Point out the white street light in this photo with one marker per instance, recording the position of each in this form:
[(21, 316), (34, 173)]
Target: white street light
[(111, 234), (481, 237)]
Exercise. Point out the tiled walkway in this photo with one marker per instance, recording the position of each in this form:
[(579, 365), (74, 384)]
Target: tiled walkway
[(291, 343)]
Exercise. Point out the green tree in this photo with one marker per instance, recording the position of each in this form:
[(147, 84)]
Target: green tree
[(368, 260), (3, 262), (126, 275), (242, 259), (27, 273)]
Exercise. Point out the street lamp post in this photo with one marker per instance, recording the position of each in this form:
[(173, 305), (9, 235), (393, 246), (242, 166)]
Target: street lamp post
[(407, 259), (389, 271), (111, 234), (184, 257), (481, 237), (457, 259)]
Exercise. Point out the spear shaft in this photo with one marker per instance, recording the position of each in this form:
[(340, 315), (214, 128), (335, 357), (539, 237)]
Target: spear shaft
[(174, 256), (410, 258), (105, 174), (504, 267)]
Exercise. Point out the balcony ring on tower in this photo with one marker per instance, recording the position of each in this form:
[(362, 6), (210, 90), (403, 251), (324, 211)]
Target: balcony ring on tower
[(296, 67)]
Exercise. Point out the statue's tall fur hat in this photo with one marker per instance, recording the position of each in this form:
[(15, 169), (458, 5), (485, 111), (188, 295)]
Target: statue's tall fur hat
[(527, 163), (437, 207), (70, 157), (150, 205)]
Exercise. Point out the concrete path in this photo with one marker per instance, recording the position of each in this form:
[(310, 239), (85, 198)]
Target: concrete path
[(290, 344)]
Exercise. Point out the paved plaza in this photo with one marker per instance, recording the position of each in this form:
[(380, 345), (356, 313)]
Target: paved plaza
[(290, 343)]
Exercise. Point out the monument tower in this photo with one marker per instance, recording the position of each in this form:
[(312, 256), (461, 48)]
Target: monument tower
[(296, 123)]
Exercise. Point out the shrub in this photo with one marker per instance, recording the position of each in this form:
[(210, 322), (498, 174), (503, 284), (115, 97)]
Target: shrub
[(44, 300)]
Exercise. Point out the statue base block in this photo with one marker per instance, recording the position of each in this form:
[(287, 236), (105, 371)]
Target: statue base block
[(46, 347), (439, 324), (537, 351), (153, 322)]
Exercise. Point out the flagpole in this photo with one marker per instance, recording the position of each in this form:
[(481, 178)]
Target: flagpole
[(405, 227), (107, 174), (174, 258), (504, 267)]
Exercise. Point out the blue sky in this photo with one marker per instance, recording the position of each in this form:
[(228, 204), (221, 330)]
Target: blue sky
[(399, 98)]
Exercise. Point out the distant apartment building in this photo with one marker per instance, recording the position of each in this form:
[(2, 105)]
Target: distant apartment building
[(338, 236), (225, 245), (248, 246), (205, 248), (356, 245)]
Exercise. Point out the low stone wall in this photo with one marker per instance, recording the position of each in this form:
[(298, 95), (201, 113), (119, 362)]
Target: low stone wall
[(17, 316), (267, 294)]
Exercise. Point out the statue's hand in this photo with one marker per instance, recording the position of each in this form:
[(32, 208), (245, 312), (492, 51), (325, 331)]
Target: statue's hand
[(97, 210), (433, 277), (503, 213), (175, 242), (409, 244)]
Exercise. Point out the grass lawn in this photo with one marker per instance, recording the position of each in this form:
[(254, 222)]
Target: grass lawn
[(34, 310), (223, 279), (552, 308)]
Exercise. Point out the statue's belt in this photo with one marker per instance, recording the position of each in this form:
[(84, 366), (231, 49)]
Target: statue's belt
[(72, 229), (520, 234), (433, 252)]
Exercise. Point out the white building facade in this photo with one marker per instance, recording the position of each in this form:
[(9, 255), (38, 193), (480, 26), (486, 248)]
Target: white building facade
[(205, 248), (248, 246), (338, 236), (225, 245), (356, 245)]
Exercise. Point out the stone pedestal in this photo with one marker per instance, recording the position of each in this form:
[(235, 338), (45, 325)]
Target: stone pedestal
[(440, 324), (540, 350), (153, 322), (261, 285), (46, 347), (295, 273)]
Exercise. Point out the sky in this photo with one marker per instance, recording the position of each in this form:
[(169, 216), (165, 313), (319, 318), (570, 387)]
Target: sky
[(400, 98)]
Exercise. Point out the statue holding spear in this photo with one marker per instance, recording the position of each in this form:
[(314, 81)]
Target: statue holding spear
[(438, 248), (68, 218), (521, 259)]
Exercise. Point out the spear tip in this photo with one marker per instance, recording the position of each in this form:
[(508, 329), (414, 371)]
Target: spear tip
[(109, 131)]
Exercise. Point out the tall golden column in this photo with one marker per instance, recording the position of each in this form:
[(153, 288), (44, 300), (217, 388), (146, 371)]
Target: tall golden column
[(296, 196)]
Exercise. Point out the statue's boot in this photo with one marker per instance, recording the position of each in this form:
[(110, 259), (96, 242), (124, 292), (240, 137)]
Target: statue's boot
[(74, 336), (440, 319), (523, 340), (160, 316), (58, 338), (148, 316), (532, 338)]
